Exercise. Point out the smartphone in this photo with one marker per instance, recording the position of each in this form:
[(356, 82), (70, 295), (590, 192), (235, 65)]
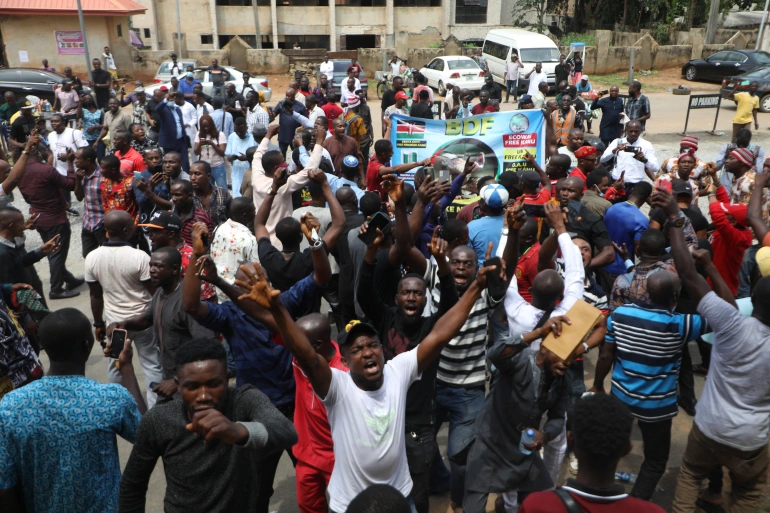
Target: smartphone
[(664, 184), (138, 176), (606, 91), (378, 220), (533, 210), (496, 285), (631, 149), (118, 341)]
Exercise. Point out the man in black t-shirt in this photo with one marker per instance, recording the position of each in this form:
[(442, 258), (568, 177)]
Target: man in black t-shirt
[(422, 108), (684, 193), (389, 98), (100, 83), (21, 128), (494, 90), (219, 76)]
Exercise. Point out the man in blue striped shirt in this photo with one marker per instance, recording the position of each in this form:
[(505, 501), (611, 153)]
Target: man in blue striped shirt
[(645, 341)]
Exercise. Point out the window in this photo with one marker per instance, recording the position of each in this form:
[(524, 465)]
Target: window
[(35, 77), (120, 30), (718, 57), (207, 39), (242, 3), (540, 55), (496, 50), (762, 57), (147, 33), (463, 64), (361, 3), (439, 65), (470, 11), (416, 3)]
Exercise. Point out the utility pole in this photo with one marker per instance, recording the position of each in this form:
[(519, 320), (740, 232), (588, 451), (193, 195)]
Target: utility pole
[(762, 26), (256, 26), (179, 31), (85, 41), (711, 27)]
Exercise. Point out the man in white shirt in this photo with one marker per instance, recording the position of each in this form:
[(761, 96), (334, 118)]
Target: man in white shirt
[(366, 408), (311, 104), (263, 167), (536, 76), (512, 77), (118, 277), (63, 141), (189, 120), (327, 68), (109, 63), (176, 68), (233, 243), (349, 87), (395, 66), (633, 155), (201, 106)]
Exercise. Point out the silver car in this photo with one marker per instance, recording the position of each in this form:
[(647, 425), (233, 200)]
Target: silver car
[(164, 71), (260, 83)]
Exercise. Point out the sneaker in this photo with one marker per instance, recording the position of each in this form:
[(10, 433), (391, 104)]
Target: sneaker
[(573, 463), (71, 211)]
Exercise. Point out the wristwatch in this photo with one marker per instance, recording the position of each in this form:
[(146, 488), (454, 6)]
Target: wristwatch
[(270, 191), (505, 230), (676, 223), (586, 347), (99, 324)]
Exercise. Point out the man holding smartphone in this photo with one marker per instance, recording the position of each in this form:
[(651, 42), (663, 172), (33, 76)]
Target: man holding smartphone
[(118, 278)]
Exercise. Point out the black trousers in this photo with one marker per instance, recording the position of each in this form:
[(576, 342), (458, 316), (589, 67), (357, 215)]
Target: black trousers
[(420, 450), (269, 465), (686, 378), (283, 147), (92, 240), (57, 260), (656, 437)]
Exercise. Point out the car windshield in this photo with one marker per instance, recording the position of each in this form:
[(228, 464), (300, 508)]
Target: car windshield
[(540, 55), (463, 64), (760, 72), (341, 67), (762, 57)]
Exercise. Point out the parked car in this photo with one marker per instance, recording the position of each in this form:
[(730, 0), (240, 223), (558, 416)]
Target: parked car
[(454, 69), (32, 81), (724, 64), (236, 78), (341, 73), (164, 70), (732, 85)]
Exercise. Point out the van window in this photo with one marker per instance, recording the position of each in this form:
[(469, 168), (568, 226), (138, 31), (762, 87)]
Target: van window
[(540, 55), (497, 50), (164, 68)]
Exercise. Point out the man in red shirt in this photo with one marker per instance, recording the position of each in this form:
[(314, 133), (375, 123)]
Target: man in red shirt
[(600, 435), (483, 105), (331, 110), (529, 249), (314, 449), (530, 186), (379, 166), (731, 237), (130, 159), (117, 190), (587, 161)]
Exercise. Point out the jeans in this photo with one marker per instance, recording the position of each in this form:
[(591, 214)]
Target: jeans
[(420, 449), (149, 359), (218, 90), (269, 466), (511, 90), (461, 406), (57, 260), (703, 456), (656, 437), (219, 176), (92, 239)]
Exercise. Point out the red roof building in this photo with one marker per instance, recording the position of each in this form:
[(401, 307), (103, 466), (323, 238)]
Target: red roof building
[(69, 7)]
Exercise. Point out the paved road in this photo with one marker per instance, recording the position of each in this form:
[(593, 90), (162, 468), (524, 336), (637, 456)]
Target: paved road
[(668, 117)]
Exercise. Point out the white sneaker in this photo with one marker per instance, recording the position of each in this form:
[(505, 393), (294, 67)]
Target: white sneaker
[(573, 463)]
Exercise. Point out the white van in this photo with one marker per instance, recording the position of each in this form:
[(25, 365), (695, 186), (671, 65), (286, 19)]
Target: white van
[(531, 48)]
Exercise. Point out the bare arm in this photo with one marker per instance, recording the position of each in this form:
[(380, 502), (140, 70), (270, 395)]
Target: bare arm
[(97, 301), (603, 366), (20, 166)]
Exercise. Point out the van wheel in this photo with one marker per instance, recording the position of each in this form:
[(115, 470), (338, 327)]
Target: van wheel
[(441, 88)]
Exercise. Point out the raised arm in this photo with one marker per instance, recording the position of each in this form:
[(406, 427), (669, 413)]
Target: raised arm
[(191, 285), (20, 166), (450, 323), (755, 206), (335, 209), (263, 214), (543, 175), (322, 271), (516, 217), (313, 364)]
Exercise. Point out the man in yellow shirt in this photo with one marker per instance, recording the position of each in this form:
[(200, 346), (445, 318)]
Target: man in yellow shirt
[(747, 103)]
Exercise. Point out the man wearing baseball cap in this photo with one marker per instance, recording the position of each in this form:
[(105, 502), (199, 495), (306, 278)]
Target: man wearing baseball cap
[(397, 108), (492, 201)]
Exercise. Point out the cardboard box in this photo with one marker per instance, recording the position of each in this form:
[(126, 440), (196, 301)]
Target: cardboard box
[(583, 318)]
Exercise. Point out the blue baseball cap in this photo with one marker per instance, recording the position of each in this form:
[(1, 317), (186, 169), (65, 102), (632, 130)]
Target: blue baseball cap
[(494, 195)]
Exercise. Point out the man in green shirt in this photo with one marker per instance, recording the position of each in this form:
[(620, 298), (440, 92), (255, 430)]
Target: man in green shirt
[(10, 107)]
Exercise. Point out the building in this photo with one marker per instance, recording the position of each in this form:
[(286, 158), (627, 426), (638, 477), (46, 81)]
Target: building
[(33, 30), (333, 24)]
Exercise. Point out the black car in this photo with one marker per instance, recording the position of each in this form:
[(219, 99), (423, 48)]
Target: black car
[(740, 83), (30, 81), (724, 64)]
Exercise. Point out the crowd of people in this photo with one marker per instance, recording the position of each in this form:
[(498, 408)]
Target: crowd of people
[(356, 317)]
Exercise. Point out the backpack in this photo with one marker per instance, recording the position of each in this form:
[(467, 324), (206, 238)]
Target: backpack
[(349, 122)]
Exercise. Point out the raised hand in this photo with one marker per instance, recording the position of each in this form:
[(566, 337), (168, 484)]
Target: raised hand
[(437, 246), (377, 240), (207, 269), (515, 216), (52, 245), (309, 222), (529, 157), (469, 167), (622, 251), (555, 216), (425, 192), (317, 176), (394, 187), (280, 176), (665, 200), (702, 257), (619, 184), (260, 290), (199, 232)]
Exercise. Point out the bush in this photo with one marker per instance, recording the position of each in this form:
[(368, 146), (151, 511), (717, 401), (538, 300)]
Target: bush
[(434, 45), (573, 37)]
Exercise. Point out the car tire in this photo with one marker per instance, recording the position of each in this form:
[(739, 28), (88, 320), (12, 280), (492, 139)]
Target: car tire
[(764, 103), (441, 88), (682, 91), (691, 73)]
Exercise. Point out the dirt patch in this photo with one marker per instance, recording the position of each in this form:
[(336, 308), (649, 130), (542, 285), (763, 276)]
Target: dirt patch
[(654, 81)]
